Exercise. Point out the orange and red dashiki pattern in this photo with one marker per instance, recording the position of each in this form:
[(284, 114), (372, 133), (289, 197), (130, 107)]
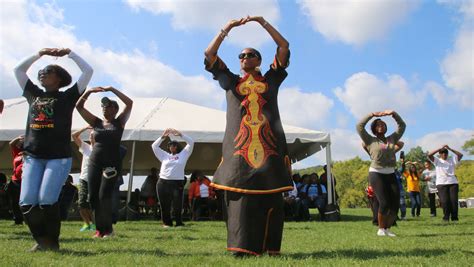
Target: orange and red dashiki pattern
[(255, 141)]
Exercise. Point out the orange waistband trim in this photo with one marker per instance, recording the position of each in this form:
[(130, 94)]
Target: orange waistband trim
[(250, 191)]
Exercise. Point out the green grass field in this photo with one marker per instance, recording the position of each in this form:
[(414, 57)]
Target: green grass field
[(353, 241)]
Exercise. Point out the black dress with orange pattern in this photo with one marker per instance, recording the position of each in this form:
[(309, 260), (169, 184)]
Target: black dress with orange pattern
[(255, 166)]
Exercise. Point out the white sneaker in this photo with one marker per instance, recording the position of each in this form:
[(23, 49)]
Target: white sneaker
[(381, 232), (389, 233)]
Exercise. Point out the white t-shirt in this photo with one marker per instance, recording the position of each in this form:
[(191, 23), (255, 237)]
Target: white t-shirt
[(204, 190), (432, 182), (172, 166), (86, 151), (445, 170)]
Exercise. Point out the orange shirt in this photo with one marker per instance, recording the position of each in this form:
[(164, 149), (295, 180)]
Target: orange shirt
[(413, 182)]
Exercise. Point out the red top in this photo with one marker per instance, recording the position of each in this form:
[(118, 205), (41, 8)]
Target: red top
[(17, 164), (194, 191)]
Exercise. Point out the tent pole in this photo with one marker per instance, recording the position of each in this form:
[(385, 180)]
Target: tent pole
[(332, 210), (330, 181), (130, 178)]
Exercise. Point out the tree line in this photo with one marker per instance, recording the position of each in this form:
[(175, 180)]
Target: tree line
[(351, 177)]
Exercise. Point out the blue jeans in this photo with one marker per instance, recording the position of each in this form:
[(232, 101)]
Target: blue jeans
[(415, 199), (43, 180), (403, 205)]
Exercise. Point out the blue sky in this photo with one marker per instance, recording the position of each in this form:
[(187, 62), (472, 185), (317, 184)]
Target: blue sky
[(348, 58)]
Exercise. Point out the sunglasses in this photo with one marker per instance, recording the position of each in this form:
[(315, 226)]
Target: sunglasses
[(247, 55)]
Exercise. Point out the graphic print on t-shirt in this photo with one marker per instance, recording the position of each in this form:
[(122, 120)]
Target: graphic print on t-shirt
[(42, 113)]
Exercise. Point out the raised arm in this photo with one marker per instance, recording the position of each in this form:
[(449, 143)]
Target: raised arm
[(86, 114), (458, 154), (431, 154), (21, 69), (360, 127), (283, 45), (125, 114), (211, 51), (86, 69), (76, 136), (189, 141), (397, 135), (160, 153)]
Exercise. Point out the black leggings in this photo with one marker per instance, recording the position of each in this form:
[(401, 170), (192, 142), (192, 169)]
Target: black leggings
[(170, 191), (100, 194), (448, 196), (387, 192)]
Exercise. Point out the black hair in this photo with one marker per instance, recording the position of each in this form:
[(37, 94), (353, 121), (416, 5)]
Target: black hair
[(195, 175), (109, 102), (443, 151), (374, 123), (64, 76), (177, 144)]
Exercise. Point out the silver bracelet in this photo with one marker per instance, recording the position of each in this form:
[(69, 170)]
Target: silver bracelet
[(265, 24)]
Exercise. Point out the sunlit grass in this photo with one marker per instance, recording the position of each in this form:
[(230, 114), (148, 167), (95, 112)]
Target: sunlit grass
[(353, 241)]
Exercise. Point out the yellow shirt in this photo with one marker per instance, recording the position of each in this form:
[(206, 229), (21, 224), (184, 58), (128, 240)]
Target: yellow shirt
[(413, 183)]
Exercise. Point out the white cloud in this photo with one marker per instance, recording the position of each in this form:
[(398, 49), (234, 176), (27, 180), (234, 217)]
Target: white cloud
[(454, 138), (356, 22), (135, 73), (445, 96), (303, 109), (364, 92), (457, 67), (213, 15)]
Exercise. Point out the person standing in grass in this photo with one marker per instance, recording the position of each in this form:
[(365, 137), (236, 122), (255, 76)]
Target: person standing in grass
[(170, 185), (47, 161), (429, 175), (382, 178), (255, 167), (413, 177), (14, 186), (84, 205), (105, 163), (446, 180)]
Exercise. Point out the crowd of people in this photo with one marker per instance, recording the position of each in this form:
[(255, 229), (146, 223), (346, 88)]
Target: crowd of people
[(386, 192), (253, 185)]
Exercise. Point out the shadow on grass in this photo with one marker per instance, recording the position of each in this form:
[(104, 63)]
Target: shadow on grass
[(355, 218), (366, 254), (151, 252), (443, 234)]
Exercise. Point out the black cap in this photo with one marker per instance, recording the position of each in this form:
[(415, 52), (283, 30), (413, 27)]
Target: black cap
[(106, 102)]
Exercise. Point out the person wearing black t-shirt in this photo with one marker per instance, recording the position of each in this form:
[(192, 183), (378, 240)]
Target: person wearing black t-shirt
[(47, 148), (105, 164)]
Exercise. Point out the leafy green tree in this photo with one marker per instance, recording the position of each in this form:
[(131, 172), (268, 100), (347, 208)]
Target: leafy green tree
[(469, 146), (416, 154), (465, 174)]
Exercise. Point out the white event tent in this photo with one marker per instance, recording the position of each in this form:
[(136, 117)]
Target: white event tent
[(149, 118)]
